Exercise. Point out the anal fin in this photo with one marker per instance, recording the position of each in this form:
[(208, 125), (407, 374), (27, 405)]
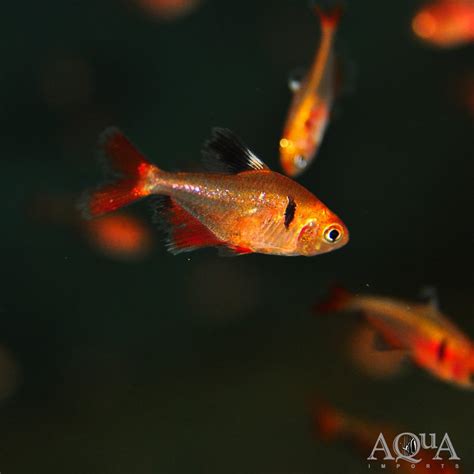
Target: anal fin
[(184, 232), (233, 251)]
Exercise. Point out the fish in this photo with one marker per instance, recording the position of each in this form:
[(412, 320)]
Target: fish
[(332, 424), (121, 236), (428, 337), (239, 205), (311, 106), (445, 23)]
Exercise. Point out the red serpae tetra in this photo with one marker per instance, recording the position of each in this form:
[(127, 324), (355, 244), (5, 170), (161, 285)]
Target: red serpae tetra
[(421, 331), (239, 206)]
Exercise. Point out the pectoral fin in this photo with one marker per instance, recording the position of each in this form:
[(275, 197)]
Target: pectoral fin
[(381, 344)]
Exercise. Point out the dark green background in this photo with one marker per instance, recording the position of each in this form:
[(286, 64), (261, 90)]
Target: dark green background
[(194, 363)]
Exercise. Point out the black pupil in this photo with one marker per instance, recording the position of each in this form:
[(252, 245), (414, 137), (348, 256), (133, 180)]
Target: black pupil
[(333, 235)]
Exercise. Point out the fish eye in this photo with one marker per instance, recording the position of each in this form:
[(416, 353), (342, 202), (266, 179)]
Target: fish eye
[(300, 161), (332, 234)]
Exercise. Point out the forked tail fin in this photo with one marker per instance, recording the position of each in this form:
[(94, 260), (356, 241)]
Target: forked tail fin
[(330, 17), (128, 172)]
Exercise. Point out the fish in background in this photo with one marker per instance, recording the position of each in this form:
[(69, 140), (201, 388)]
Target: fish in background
[(331, 424), (240, 206), (121, 236), (310, 109), (427, 337), (168, 10), (445, 23)]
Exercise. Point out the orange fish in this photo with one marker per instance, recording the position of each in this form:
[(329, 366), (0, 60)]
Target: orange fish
[(240, 206), (446, 23), (332, 424), (120, 236), (429, 338), (309, 113)]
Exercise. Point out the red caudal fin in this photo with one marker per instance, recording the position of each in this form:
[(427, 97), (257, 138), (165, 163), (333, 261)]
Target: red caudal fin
[(184, 232), (329, 17), (129, 171), (337, 300)]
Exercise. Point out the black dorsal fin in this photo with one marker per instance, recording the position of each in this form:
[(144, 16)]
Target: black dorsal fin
[(225, 153)]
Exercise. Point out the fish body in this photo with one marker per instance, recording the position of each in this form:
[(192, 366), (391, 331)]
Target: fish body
[(241, 206), (445, 23), (310, 110), (430, 339)]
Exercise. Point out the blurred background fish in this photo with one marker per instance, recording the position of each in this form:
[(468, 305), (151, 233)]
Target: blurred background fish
[(311, 107), (121, 236), (445, 23), (334, 425), (168, 10), (429, 338)]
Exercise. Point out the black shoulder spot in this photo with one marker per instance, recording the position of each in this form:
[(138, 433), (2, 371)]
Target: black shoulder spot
[(442, 350), (290, 211)]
